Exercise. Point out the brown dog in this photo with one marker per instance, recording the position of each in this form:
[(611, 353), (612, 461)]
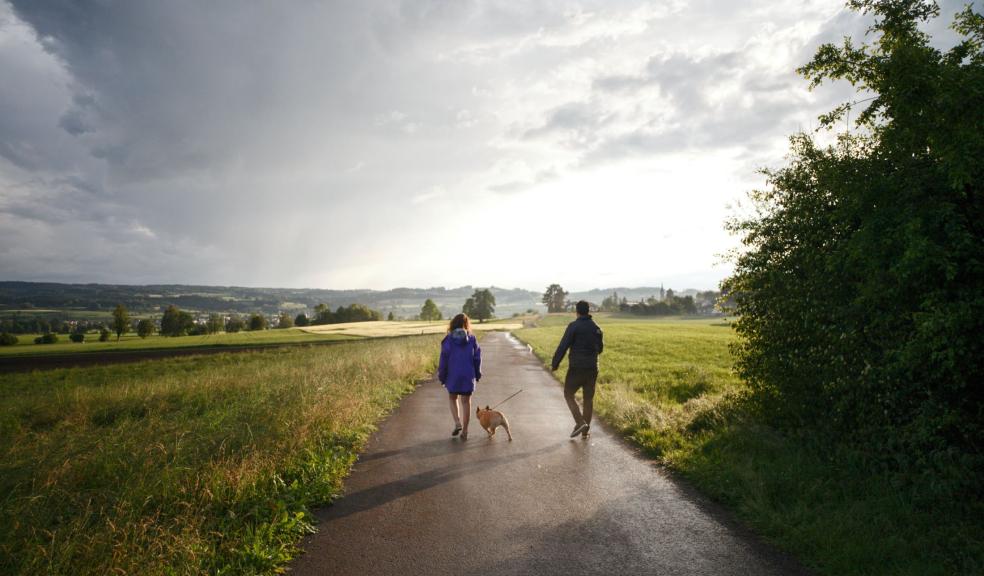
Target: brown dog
[(492, 419)]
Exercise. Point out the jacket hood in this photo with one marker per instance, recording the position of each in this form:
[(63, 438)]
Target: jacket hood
[(459, 336)]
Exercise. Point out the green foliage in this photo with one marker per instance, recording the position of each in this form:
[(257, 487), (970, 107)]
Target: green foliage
[(555, 298), (8, 339), (49, 338), (350, 313), (860, 293), (197, 465), (77, 338), (176, 322), (214, 324), (121, 321), (429, 311), (235, 324), (145, 328), (285, 320), (257, 322), (301, 320), (480, 306), (670, 305), (104, 335)]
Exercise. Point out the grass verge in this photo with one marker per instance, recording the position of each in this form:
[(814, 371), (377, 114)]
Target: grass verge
[(190, 465), (667, 385)]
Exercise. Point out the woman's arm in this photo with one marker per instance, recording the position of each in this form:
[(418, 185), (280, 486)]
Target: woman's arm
[(477, 359), (442, 365)]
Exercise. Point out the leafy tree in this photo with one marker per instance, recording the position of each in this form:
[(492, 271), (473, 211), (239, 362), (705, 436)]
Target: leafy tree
[(145, 328), (7, 339), (214, 324), (860, 294), (429, 311), (301, 320), (176, 322), (285, 320), (257, 322), (104, 335), (323, 315), (555, 298), (355, 313), (235, 324), (481, 305), (390, 316), (121, 321)]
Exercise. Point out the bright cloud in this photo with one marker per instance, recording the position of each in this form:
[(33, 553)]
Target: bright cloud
[(385, 143)]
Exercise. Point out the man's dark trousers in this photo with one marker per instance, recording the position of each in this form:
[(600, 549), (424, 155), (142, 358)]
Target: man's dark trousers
[(583, 379)]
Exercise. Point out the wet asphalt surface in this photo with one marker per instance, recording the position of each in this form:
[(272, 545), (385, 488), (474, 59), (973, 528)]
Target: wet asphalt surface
[(420, 502)]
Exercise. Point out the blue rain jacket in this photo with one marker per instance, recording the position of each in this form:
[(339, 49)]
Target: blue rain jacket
[(461, 362)]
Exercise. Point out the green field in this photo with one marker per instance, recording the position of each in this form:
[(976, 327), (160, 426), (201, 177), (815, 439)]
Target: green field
[(130, 342), (192, 465), (667, 385)]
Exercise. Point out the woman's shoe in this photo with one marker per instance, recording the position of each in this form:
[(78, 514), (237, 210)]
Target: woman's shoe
[(464, 435), (457, 430)]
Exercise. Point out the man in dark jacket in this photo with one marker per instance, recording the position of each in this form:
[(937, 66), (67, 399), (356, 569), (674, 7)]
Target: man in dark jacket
[(584, 339)]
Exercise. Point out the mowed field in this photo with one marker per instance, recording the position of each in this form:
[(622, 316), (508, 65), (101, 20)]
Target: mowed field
[(667, 386), (386, 328), (193, 465)]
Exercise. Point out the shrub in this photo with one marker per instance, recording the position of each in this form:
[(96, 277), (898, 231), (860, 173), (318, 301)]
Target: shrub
[(257, 322), (8, 339), (104, 335), (49, 338), (77, 338), (235, 324), (145, 328)]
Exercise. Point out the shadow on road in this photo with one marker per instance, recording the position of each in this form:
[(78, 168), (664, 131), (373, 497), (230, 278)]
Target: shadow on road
[(387, 492)]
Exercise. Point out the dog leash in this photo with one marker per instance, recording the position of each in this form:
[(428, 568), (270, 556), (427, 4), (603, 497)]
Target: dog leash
[(507, 399)]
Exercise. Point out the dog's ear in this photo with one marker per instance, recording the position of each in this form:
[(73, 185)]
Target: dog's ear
[(487, 408), (478, 409)]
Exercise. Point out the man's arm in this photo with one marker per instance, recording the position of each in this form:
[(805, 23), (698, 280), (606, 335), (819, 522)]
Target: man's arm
[(565, 343), (601, 340)]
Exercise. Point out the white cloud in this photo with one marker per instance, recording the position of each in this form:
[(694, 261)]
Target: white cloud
[(152, 142)]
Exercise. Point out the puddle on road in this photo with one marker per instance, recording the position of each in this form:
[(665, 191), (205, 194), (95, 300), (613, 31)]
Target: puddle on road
[(515, 343)]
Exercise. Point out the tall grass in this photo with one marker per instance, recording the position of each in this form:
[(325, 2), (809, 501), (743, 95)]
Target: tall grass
[(667, 385), (191, 465)]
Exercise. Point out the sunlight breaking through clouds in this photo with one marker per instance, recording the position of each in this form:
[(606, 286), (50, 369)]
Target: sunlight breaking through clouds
[(386, 143)]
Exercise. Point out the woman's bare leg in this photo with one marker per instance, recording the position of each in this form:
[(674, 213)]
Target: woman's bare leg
[(466, 408), (454, 409)]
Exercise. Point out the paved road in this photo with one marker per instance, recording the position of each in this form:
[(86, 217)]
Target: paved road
[(419, 502)]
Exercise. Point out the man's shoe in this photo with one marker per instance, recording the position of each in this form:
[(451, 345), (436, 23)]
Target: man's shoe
[(586, 432), (578, 429)]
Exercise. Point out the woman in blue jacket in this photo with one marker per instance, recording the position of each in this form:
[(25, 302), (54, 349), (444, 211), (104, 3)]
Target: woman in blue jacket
[(459, 369)]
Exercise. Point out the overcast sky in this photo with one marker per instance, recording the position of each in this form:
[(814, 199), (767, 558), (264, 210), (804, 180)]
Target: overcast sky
[(379, 144)]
